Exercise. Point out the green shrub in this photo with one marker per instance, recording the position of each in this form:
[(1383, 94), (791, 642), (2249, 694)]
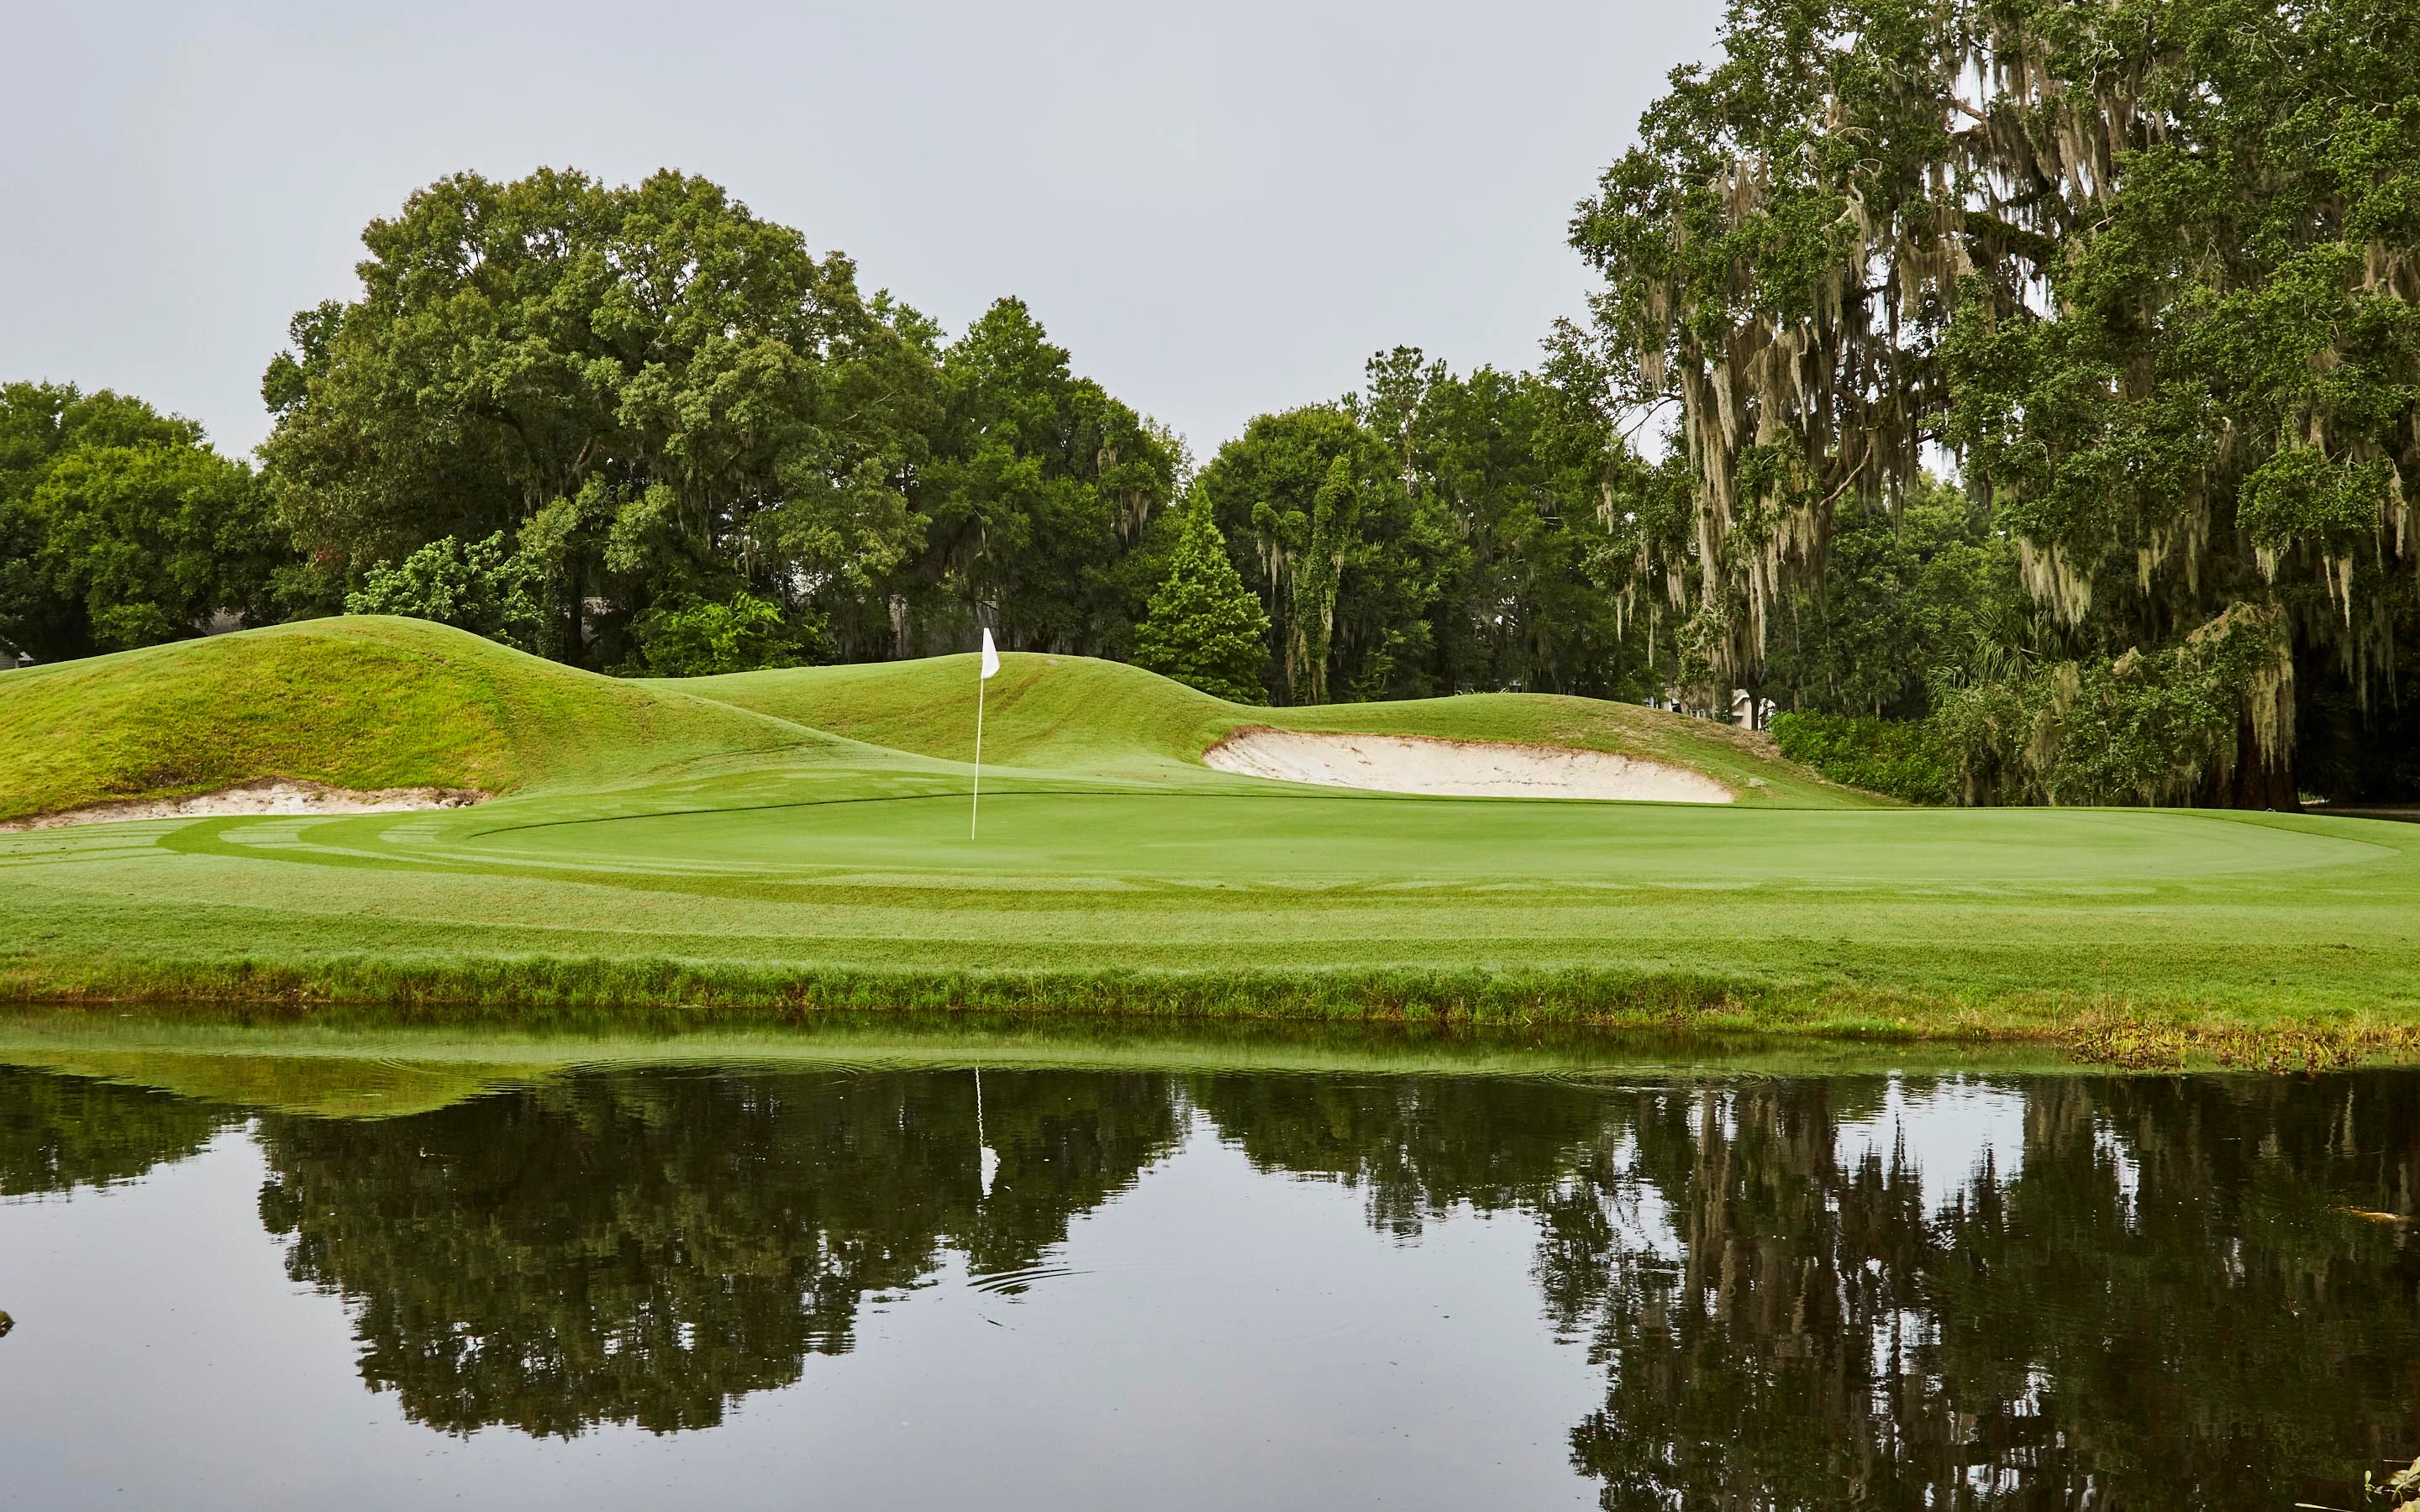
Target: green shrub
[(691, 638), (2162, 726), (484, 587), (1897, 756)]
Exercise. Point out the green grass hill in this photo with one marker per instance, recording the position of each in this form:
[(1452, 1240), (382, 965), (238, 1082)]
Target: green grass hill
[(365, 701), (374, 702), (1081, 714)]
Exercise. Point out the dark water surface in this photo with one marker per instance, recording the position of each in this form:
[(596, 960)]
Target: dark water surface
[(791, 1288)]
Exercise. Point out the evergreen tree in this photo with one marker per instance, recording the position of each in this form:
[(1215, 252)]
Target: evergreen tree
[(1206, 629)]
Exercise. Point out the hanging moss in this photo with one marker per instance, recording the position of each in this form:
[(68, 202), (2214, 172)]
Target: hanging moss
[(2151, 273), (2164, 727)]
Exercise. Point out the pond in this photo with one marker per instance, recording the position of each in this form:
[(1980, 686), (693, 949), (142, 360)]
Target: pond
[(1114, 1286)]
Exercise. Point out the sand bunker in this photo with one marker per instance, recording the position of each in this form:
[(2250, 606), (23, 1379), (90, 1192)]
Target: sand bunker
[(271, 796), (1458, 768)]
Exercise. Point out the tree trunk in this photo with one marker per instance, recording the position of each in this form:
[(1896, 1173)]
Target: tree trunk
[(2256, 783)]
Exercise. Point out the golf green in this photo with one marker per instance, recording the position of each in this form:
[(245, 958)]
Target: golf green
[(1255, 839), (703, 844)]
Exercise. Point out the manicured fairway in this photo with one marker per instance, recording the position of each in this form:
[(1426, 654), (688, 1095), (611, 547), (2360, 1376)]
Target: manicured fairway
[(762, 862)]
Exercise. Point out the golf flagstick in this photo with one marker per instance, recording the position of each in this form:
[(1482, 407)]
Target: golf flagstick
[(987, 1159), (990, 669)]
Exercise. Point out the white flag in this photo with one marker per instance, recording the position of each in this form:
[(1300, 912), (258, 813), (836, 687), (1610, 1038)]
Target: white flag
[(991, 655)]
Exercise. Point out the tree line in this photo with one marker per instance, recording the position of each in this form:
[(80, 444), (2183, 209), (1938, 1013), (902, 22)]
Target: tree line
[(2021, 397), (641, 429)]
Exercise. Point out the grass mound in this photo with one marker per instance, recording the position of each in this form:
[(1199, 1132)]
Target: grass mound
[(1077, 714), (1051, 713), (365, 701), (374, 702)]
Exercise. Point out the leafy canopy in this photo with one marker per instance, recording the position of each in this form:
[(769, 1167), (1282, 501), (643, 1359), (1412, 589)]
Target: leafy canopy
[(481, 588), (119, 526), (649, 388), (2148, 269)]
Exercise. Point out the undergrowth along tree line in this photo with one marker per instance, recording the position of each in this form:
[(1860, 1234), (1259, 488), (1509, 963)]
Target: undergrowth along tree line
[(2138, 279)]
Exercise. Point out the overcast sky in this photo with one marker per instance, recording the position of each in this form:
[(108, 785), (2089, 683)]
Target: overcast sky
[(1220, 209)]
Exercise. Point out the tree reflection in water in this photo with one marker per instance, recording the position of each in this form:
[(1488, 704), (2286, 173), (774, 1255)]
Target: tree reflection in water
[(2162, 1303), (2164, 1306), (1416, 1146), (2150, 1294), (644, 1248), (58, 1133)]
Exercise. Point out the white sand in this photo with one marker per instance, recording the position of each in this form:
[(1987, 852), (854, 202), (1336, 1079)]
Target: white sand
[(271, 796), (1458, 768)]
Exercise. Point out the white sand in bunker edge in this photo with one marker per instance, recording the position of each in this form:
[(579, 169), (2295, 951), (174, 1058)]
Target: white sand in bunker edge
[(275, 795), (1457, 768)]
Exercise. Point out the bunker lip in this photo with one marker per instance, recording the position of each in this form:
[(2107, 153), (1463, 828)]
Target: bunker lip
[(1455, 769), (265, 795)]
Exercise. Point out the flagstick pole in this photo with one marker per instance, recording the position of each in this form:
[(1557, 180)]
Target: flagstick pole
[(975, 812)]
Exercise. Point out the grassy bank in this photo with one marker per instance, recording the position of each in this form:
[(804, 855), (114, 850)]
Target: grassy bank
[(544, 993), (543, 990), (362, 1061)]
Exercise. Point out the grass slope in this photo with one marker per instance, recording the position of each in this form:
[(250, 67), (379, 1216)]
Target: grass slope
[(667, 848), (357, 703), (1077, 714)]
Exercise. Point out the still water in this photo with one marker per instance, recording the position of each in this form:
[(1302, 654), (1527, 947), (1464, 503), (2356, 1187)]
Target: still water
[(786, 1288)]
